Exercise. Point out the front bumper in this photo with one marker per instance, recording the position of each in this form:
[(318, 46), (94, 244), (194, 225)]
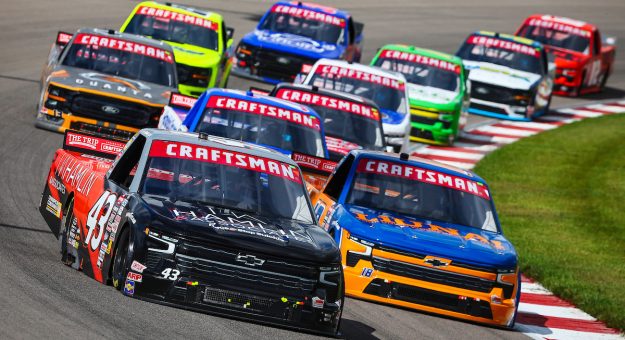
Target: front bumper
[(199, 294), (454, 292), (426, 127), (245, 72), (48, 121), (498, 110)]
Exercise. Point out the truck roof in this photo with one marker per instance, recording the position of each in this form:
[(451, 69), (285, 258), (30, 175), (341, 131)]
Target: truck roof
[(362, 68), (126, 36), (315, 7), (582, 25), (327, 92), (215, 142), (423, 51), (184, 9)]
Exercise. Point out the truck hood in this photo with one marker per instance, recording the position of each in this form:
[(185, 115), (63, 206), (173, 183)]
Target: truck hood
[(194, 55), (566, 56), (500, 75), (455, 242), (238, 229), (433, 95), (113, 85), (292, 43)]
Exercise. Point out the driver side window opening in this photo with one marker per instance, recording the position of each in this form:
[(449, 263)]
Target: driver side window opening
[(336, 182), (124, 171)]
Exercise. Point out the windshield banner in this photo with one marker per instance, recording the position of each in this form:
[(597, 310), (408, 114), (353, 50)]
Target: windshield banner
[(308, 14), (423, 175), (329, 102), (503, 44), (312, 162), (235, 104), (341, 72), (179, 17), (420, 59), (559, 26), (124, 45), (194, 152)]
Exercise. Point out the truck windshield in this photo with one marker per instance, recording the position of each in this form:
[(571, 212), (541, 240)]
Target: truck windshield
[(261, 129), (501, 52), (391, 98), (157, 67), (226, 179), (307, 23), (175, 27), (422, 74), (380, 186), (551, 37)]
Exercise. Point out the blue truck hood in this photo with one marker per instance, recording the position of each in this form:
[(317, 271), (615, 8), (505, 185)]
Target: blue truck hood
[(291, 43), (455, 242)]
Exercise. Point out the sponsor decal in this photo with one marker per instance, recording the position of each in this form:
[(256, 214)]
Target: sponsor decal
[(317, 302), (167, 149), (423, 175), (168, 15), (243, 223), (342, 72), (503, 44), (309, 98), (420, 59), (308, 14), (407, 222), (124, 45), (56, 184), (54, 206), (340, 146), (97, 144), (134, 277), (366, 272), (137, 266), (63, 38), (129, 287), (558, 25), (177, 99), (110, 109), (74, 173), (312, 162), (294, 41), (219, 102)]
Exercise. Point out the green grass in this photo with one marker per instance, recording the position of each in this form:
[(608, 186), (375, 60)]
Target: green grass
[(560, 196)]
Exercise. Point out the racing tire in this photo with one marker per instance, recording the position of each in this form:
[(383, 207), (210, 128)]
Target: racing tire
[(510, 325), (69, 254), (604, 80), (121, 261)]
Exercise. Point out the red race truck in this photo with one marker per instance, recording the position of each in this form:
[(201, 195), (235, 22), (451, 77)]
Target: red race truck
[(583, 60)]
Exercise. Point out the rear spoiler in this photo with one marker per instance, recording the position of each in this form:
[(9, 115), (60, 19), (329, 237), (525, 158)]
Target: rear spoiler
[(303, 73), (314, 164), (175, 112), (62, 38), (258, 90), (92, 144), (358, 28)]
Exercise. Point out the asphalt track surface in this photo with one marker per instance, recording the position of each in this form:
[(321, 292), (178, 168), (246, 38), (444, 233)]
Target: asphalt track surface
[(40, 297)]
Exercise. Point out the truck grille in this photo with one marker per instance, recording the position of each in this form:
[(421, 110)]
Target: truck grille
[(433, 275), (279, 65), (127, 113)]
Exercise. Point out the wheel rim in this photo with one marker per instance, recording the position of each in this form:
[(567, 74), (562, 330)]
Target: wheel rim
[(64, 233)]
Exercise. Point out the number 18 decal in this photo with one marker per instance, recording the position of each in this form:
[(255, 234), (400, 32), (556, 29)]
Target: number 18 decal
[(103, 204)]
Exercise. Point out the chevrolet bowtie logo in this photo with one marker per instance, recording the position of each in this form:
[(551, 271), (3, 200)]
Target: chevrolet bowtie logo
[(250, 260), (434, 262)]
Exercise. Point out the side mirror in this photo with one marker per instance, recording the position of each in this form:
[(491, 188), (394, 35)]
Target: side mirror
[(389, 149), (611, 41), (229, 33)]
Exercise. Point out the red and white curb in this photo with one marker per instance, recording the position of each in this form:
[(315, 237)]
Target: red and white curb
[(541, 314)]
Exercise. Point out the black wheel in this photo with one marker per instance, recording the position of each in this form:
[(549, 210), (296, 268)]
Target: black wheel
[(67, 234), (121, 262)]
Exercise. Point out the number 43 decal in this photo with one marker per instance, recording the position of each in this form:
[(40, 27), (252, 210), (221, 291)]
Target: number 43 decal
[(104, 203)]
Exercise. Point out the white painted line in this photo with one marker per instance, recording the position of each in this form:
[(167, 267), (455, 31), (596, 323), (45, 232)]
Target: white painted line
[(532, 125), (542, 333), (492, 139), (534, 288), (580, 112), (506, 131), (476, 147), (560, 312), (607, 108), (455, 154)]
